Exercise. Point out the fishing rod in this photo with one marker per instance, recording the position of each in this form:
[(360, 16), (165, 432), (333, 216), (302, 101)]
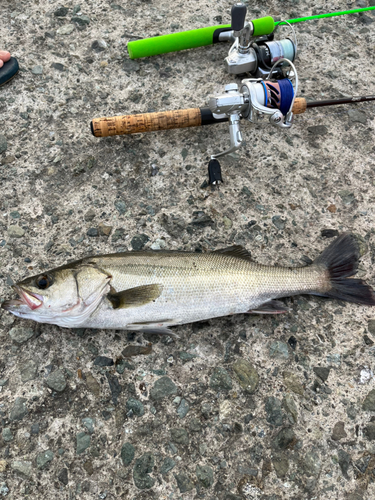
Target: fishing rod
[(214, 34), (252, 100)]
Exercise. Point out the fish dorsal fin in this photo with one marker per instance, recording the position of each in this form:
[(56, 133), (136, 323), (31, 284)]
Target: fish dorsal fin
[(135, 297), (235, 251)]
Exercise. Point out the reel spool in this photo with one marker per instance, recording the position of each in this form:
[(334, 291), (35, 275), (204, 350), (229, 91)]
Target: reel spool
[(260, 56), (270, 52)]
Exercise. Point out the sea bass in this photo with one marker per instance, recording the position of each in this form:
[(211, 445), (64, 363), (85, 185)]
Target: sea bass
[(151, 291)]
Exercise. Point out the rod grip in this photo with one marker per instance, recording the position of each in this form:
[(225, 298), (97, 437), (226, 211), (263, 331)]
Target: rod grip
[(190, 39), (146, 122), (299, 106), (173, 42)]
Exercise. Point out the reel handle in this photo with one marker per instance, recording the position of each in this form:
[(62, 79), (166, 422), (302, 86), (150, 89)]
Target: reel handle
[(238, 15), (164, 120)]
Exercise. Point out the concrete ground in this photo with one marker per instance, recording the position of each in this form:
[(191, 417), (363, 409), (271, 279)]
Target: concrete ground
[(245, 407)]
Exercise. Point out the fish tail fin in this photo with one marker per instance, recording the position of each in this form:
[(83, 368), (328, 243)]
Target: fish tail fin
[(341, 259)]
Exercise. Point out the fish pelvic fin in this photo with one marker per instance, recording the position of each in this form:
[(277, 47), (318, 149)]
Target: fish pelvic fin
[(341, 259), (135, 297), (270, 307)]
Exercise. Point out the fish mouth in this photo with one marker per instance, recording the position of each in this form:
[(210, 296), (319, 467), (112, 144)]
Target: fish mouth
[(32, 300)]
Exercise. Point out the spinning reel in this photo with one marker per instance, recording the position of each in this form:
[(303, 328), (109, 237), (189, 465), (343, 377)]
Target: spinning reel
[(254, 99), (255, 56)]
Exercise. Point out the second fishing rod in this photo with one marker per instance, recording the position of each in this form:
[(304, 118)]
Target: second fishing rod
[(201, 37)]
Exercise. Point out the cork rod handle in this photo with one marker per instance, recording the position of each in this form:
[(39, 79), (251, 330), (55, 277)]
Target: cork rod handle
[(299, 105), (146, 122)]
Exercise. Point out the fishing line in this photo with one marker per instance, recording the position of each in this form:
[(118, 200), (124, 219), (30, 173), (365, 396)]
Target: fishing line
[(323, 16)]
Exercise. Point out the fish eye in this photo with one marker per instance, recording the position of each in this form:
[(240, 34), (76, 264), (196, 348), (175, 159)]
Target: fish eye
[(44, 281)]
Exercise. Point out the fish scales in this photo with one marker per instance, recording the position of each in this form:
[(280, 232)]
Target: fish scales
[(196, 286)]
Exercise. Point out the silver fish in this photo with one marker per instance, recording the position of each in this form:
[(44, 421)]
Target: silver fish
[(151, 291)]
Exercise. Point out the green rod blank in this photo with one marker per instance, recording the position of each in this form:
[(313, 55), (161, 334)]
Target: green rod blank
[(323, 16)]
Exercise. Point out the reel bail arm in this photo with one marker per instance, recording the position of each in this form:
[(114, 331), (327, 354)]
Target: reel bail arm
[(230, 104)]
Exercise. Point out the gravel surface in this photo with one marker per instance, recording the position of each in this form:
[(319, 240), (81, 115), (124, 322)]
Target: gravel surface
[(247, 407)]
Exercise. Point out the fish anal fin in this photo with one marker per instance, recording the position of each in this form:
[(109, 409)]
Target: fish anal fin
[(235, 251), (152, 328), (135, 297), (162, 331), (270, 307)]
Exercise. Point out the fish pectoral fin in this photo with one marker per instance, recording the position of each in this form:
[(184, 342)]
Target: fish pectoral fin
[(135, 297), (151, 328), (270, 307), (235, 251)]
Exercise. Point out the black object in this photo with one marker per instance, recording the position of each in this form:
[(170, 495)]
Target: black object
[(207, 118), (367, 340), (215, 36), (238, 14), (214, 172), (329, 233), (103, 361), (9, 70), (292, 341)]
